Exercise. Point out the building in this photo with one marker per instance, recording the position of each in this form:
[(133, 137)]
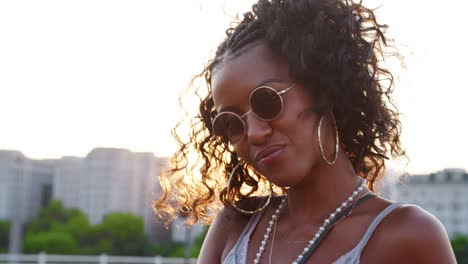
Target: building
[(444, 194), (25, 187), (111, 180), (106, 180)]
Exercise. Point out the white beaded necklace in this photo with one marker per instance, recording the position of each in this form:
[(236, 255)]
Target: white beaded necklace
[(325, 224)]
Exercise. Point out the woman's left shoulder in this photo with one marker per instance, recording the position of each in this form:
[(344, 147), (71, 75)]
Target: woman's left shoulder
[(410, 219), (413, 235)]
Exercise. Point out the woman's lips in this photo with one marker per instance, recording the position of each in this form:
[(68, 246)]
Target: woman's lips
[(269, 154)]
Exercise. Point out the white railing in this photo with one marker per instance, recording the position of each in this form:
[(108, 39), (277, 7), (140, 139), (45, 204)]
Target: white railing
[(43, 258)]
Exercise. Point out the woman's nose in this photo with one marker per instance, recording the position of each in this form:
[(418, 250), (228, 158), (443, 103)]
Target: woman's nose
[(257, 130)]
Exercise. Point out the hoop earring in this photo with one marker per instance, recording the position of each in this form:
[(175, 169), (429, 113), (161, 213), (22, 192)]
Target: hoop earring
[(240, 209), (337, 146)]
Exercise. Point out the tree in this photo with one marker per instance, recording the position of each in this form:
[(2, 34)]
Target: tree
[(57, 230), (177, 249), (67, 231), (125, 232), (93, 242), (50, 242), (4, 235), (460, 248), (197, 244), (168, 249), (56, 217), (77, 225)]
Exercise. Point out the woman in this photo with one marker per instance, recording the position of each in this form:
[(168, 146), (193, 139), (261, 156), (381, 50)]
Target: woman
[(299, 105)]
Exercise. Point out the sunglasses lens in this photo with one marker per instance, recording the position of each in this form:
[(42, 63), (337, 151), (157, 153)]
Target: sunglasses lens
[(266, 103), (229, 127)]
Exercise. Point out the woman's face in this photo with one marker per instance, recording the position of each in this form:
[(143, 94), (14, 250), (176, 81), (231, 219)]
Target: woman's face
[(285, 150)]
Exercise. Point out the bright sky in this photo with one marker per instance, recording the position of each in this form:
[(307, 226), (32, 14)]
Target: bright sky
[(80, 74)]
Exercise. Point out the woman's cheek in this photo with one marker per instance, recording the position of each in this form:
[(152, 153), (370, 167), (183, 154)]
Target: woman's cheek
[(242, 150)]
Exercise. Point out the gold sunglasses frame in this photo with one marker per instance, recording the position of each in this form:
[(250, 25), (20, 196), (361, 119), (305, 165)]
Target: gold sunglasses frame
[(279, 93)]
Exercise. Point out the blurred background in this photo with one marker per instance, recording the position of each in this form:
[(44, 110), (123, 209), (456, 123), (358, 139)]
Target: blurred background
[(89, 94)]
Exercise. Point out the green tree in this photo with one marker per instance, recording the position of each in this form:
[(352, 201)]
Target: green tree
[(77, 225), (197, 244), (93, 242), (460, 248), (125, 232), (67, 231), (4, 235), (177, 249), (57, 230), (50, 242), (168, 249), (56, 217)]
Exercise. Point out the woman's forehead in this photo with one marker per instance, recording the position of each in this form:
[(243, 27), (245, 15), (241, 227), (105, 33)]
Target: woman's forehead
[(236, 76)]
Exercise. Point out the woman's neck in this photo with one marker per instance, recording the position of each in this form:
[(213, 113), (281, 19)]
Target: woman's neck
[(322, 191)]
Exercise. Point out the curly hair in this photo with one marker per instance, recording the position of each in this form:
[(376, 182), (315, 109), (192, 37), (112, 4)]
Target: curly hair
[(337, 44)]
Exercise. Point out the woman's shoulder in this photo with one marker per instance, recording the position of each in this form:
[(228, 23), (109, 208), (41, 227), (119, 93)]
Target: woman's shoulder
[(411, 234), (235, 221), (411, 222), (219, 235), (227, 227)]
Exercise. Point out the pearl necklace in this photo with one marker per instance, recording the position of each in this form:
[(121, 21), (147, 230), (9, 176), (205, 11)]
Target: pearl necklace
[(325, 224)]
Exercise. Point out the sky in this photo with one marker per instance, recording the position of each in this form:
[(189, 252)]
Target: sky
[(75, 75)]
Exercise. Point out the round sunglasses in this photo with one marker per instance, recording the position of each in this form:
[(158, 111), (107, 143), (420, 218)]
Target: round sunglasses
[(265, 103)]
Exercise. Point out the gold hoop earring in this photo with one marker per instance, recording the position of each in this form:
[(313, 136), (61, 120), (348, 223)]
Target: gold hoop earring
[(337, 146), (240, 209)]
